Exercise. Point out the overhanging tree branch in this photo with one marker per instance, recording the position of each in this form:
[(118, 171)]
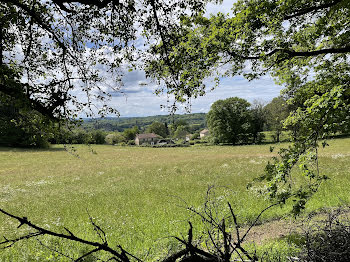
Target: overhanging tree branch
[(291, 53), (43, 24), (312, 9), (34, 104)]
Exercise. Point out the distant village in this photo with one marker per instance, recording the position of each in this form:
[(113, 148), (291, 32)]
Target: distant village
[(154, 139)]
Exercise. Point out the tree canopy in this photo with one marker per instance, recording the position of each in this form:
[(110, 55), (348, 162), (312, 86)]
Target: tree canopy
[(302, 44), (53, 52), (284, 38), (229, 120), (158, 128), (275, 112)]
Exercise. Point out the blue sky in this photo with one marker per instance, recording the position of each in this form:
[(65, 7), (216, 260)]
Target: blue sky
[(140, 100)]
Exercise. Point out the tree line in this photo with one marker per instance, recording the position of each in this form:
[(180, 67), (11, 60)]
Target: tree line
[(194, 120), (239, 122), (302, 44), (235, 121)]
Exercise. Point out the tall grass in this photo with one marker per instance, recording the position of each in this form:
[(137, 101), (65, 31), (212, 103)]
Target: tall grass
[(138, 195)]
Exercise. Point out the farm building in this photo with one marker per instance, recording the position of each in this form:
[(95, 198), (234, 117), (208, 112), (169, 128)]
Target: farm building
[(149, 138), (204, 133)]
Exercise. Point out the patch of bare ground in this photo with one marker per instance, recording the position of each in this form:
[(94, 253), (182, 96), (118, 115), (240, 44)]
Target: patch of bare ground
[(270, 230), (277, 229)]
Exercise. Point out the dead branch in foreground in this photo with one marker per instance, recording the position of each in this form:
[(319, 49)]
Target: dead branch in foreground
[(221, 245)]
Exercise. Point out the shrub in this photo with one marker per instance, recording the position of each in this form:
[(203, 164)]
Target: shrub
[(195, 136), (328, 240), (114, 138), (109, 139), (98, 137), (131, 143)]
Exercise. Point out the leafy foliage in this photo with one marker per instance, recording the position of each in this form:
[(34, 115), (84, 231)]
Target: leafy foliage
[(195, 122), (303, 44), (22, 128), (54, 51), (158, 128), (275, 112), (181, 132), (232, 121), (130, 133)]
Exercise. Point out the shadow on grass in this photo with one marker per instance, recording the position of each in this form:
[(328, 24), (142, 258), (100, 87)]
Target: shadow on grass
[(31, 149)]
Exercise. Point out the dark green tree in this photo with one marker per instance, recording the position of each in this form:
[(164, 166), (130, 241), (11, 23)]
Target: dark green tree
[(303, 44), (80, 136), (130, 133), (22, 128), (229, 120), (97, 137), (178, 123), (275, 113), (158, 128), (181, 132), (258, 120)]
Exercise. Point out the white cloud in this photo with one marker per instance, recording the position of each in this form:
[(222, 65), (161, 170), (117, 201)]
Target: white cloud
[(136, 96), (224, 8), (142, 102), (139, 100)]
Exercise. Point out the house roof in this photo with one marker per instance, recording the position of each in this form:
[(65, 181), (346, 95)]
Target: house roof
[(149, 135), (204, 131)]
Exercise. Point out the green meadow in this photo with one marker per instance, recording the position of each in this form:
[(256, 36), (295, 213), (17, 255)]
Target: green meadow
[(139, 195)]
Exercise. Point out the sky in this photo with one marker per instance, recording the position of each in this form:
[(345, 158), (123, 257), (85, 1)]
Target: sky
[(136, 98), (140, 100)]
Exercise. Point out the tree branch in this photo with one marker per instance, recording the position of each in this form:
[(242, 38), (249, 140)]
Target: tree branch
[(87, 254), (311, 9), (34, 104), (291, 53), (256, 220), (43, 231)]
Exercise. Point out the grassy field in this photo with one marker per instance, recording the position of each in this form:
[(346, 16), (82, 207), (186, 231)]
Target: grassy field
[(137, 194)]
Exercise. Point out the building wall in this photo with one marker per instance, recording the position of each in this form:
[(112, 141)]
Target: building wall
[(146, 140), (201, 135)]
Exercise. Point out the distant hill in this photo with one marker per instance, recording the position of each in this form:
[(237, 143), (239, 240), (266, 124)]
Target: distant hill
[(195, 121)]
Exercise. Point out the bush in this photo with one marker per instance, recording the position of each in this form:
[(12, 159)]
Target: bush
[(195, 136), (328, 240), (98, 137), (260, 138), (131, 143), (109, 139), (114, 138)]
